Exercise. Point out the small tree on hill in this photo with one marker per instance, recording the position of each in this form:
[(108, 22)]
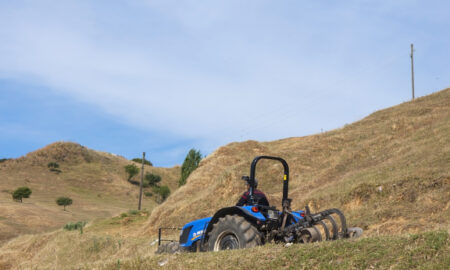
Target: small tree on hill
[(131, 170), (54, 167), (139, 160), (22, 192), (190, 163), (151, 179), (64, 201), (163, 192)]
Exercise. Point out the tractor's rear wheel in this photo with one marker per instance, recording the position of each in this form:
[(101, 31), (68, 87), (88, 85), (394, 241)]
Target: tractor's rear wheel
[(233, 232)]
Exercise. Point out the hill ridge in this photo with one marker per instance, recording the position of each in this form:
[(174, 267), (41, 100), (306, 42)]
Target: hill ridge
[(96, 181), (404, 146)]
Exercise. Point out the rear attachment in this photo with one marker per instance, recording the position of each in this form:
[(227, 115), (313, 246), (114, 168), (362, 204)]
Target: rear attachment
[(171, 247), (321, 226)]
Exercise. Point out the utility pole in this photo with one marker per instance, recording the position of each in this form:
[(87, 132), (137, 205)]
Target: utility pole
[(142, 180), (412, 69)]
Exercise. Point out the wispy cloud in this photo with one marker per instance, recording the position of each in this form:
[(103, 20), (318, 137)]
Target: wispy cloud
[(219, 71)]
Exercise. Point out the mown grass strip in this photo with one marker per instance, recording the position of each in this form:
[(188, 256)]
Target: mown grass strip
[(428, 250)]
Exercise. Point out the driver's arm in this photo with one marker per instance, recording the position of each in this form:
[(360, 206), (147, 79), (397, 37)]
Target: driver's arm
[(242, 201)]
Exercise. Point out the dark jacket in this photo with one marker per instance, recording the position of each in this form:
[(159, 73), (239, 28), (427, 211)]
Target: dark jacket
[(258, 196)]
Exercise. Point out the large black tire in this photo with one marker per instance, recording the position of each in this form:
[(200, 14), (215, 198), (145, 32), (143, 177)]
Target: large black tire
[(233, 232)]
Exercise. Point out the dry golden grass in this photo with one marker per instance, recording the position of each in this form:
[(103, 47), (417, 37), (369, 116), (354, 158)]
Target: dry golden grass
[(95, 249), (422, 251), (389, 172), (102, 242), (95, 181)]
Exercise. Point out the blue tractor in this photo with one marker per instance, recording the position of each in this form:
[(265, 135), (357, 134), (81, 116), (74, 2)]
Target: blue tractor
[(252, 225)]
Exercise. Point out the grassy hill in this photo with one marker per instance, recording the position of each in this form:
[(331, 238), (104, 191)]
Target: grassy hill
[(95, 181), (389, 172)]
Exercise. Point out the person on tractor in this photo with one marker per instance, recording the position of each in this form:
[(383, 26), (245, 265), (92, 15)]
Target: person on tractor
[(258, 196)]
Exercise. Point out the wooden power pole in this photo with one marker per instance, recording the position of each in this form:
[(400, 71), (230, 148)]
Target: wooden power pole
[(412, 69), (142, 180)]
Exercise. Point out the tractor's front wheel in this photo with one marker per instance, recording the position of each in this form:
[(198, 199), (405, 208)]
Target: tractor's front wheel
[(233, 232)]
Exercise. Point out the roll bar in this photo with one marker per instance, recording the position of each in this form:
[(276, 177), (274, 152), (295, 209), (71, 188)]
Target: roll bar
[(251, 179)]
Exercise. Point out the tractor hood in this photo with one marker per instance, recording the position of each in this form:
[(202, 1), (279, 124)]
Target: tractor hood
[(193, 231)]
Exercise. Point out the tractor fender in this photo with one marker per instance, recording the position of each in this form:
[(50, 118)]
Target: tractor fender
[(243, 211)]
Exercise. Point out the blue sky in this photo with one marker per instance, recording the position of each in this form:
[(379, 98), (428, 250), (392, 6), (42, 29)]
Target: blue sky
[(167, 76)]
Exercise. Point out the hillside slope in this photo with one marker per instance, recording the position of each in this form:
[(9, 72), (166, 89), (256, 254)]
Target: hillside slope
[(389, 172), (96, 182)]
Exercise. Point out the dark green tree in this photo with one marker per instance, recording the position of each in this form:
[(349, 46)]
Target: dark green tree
[(190, 163), (64, 201), (139, 160), (20, 193), (54, 167), (131, 170), (163, 192), (151, 179)]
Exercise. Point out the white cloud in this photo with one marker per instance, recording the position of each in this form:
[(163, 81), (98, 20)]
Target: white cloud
[(217, 71)]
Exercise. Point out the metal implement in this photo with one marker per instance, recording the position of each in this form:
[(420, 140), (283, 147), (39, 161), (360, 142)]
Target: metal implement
[(166, 240)]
